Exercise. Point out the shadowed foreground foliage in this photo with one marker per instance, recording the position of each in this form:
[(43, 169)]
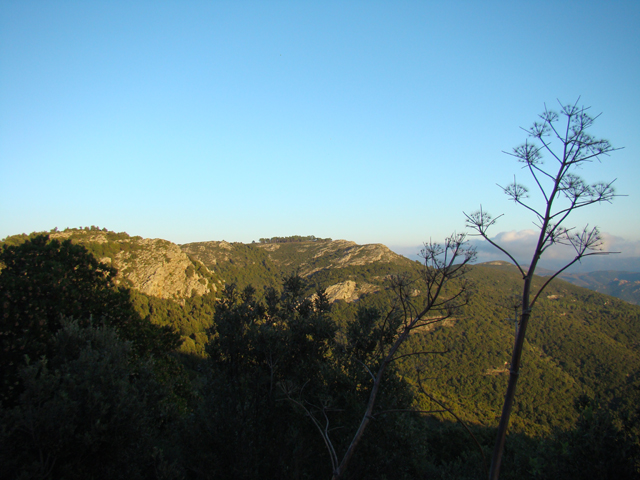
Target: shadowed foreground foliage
[(42, 282), (97, 398), (88, 410)]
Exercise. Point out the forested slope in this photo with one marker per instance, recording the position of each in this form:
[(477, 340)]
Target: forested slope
[(580, 382), (580, 342)]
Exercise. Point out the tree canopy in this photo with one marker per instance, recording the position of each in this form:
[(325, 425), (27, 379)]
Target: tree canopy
[(43, 281)]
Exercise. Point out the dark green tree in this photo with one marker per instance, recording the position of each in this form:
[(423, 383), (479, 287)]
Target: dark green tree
[(599, 446), (245, 428), (283, 395), (43, 281), (91, 409)]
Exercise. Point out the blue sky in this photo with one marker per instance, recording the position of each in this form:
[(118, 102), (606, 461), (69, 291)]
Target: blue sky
[(377, 122)]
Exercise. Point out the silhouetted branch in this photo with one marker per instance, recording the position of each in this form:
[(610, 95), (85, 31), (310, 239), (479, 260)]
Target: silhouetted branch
[(576, 148)]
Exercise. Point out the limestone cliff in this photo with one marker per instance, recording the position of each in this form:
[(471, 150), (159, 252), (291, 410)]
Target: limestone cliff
[(161, 269), (349, 291), (152, 266)]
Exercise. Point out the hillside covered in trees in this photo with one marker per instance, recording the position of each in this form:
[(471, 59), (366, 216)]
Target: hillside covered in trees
[(229, 360)]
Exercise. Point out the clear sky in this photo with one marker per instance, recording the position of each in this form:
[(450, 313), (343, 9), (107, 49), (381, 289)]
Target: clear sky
[(377, 122)]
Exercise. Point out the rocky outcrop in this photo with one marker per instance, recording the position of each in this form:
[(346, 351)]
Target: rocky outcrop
[(152, 266), (265, 264), (210, 253), (349, 253), (311, 257), (166, 270), (161, 269), (349, 291)]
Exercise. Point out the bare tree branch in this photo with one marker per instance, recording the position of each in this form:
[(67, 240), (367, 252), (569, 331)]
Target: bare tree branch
[(419, 353), (440, 269), (481, 221)]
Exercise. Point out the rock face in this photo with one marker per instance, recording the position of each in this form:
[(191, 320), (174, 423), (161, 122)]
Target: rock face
[(339, 266), (342, 253), (152, 266), (304, 257), (349, 291), (351, 253), (161, 269), (311, 257), (210, 253)]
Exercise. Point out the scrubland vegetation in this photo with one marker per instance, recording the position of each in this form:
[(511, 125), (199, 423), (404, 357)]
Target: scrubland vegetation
[(103, 382)]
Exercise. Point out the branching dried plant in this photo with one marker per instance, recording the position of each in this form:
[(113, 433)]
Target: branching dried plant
[(446, 291), (563, 137)]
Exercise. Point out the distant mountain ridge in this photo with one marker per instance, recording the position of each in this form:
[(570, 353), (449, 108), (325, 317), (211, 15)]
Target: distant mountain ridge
[(152, 266), (262, 264), (623, 285), (579, 341), (619, 284), (166, 270)]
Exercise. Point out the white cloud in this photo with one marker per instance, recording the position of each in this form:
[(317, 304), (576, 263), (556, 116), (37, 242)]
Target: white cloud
[(521, 244), (626, 248)]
